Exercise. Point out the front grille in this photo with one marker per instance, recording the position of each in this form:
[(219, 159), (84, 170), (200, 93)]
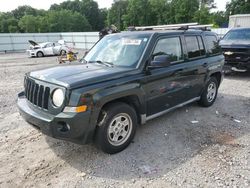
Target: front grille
[(236, 50), (36, 94)]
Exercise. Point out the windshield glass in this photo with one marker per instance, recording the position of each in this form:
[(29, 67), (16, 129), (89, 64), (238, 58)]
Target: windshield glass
[(118, 50), (242, 34)]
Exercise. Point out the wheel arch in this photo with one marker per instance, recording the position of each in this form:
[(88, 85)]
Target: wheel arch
[(134, 97), (218, 76)]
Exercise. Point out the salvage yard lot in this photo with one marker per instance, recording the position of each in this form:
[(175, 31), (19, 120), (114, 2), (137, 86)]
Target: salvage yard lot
[(190, 147)]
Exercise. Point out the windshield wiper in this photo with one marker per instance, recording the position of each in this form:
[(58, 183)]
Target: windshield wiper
[(109, 64)]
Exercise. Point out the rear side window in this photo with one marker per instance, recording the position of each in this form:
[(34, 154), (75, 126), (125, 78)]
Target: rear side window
[(171, 47), (195, 46), (212, 44), (201, 45)]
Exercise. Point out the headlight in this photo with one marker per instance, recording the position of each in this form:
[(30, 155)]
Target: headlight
[(58, 97)]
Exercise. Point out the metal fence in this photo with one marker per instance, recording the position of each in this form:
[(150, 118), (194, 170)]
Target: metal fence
[(80, 40), (19, 41), (221, 31)]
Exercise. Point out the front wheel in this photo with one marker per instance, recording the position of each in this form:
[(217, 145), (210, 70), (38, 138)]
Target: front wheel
[(116, 128), (209, 94), (39, 54)]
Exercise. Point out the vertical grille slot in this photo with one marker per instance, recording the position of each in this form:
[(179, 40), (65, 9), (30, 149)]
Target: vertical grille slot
[(32, 87), (37, 94), (46, 98), (40, 96)]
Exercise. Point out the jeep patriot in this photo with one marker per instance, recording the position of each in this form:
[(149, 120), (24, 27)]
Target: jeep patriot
[(125, 80)]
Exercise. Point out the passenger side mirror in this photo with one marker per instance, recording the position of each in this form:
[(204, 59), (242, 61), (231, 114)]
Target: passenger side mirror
[(160, 61)]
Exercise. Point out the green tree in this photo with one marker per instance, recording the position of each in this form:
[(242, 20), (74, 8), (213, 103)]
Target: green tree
[(21, 11), (238, 7), (184, 10), (116, 13), (66, 21), (29, 24), (138, 13), (202, 16), (219, 19), (161, 12), (8, 23), (87, 8)]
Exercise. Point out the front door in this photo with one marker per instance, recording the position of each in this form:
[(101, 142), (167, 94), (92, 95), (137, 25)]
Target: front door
[(168, 86), (48, 50)]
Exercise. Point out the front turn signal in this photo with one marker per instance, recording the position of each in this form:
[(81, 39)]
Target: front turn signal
[(77, 109)]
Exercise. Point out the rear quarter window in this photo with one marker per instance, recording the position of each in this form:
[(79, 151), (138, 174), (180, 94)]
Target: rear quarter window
[(213, 47)]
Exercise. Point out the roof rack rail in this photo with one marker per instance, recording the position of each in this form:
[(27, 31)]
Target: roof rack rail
[(183, 26)]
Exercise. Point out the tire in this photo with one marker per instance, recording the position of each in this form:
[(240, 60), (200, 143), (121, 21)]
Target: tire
[(39, 54), (116, 128), (210, 92), (63, 52)]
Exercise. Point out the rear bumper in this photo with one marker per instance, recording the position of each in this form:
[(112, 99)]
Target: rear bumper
[(74, 127)]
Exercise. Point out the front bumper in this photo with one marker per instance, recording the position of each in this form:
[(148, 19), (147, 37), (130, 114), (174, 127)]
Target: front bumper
[(74, 127), (239, 61), (31, 53)]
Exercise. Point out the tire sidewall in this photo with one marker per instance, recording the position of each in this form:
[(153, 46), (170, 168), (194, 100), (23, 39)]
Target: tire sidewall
[(63, 52), (204, 101), (39, 53), (102, 129)]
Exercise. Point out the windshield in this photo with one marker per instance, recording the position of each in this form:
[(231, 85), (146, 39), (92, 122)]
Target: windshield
[(242, 34), (118, 50)]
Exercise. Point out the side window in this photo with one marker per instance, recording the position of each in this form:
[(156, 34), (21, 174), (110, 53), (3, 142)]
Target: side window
[(212, 44), (201, 45), (195, 46), (49, 45), (171, 47)]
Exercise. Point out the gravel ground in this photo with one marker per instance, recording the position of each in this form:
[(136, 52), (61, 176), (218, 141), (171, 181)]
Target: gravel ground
[(169, 151)]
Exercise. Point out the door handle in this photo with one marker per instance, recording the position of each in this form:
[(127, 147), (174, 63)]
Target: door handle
[(205, 64)]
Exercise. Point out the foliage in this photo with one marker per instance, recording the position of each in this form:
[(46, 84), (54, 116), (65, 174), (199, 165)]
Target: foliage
[(238, 7), (84, 15)]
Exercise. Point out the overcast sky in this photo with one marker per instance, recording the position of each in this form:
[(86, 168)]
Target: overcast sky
[(8, 5)]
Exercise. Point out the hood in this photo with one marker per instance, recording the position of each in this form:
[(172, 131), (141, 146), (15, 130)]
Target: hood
[(235, 43), (78, 75), (33, 43)]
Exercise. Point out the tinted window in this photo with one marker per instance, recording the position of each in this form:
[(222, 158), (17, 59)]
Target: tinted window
[(171, 47), (241, 34), (212, 44), (201, 45), (195, 48)]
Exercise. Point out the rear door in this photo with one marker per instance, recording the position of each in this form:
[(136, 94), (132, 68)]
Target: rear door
[(196, 64)]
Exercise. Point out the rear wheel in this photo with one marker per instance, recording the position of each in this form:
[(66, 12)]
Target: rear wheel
[(117, 127), (39, 54), (209, 94), (63, 52)]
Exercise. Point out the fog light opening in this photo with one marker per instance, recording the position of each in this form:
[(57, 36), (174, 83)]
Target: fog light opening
[(64, 127)]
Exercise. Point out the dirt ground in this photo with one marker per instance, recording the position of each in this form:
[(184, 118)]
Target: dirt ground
[(169, 151)]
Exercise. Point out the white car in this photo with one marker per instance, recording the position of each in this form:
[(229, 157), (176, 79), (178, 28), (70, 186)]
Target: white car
[(47, 49)]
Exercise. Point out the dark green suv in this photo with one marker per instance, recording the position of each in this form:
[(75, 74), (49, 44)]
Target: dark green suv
[(126, 79)]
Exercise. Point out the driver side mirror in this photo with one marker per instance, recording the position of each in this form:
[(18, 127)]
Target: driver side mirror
[(160, 61)]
